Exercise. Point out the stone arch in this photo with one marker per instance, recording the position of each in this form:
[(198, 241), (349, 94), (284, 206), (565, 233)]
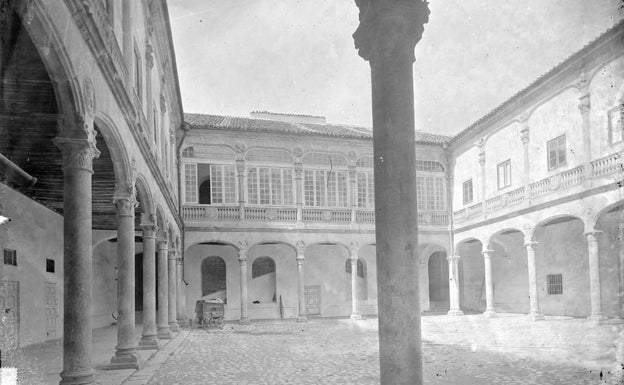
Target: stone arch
[(548, 220), (506, 230), (145, 195), (272, 242), (469, 239), (119, 155)]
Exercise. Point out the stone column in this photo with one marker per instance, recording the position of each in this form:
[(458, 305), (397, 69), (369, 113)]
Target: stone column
[(180, 291), (584, 108), (172, 299), (299, 190), (240, 173), (534, 312), (163, 290), (125, 352), (149, 339), (353, 196), (489, 284), (386, 36), (244, 295), (78, 155), (454, 301), (594, 275), (524, 138), (301, 282), (355, 313)]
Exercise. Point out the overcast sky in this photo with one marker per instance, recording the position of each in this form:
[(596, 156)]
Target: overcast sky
[(297, 56)]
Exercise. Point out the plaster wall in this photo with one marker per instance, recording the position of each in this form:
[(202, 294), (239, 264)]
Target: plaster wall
[(609, 249), (471, 277), (466, 167), (503, 145), (510, 273)]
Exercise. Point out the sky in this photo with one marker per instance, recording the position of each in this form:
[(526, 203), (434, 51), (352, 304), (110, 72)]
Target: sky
[(297, 56)]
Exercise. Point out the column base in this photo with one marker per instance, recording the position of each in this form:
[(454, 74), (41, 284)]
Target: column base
[(244, 321), (302, 318), (356, 317), (536, 316), (164, 334), (126, 361), (174, 327), (150, 343), (455, 312), (78, 378), (490, 314), (182, 321), (598, 318)]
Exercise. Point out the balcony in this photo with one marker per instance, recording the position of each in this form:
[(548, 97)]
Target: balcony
[(291, 216)]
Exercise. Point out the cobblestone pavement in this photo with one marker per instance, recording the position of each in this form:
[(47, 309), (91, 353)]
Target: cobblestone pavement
[(457, 350)]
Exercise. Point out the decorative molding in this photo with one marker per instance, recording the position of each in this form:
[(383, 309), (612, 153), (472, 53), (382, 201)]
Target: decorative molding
[(300, 248), (125, 206), (298, 152), (354, 248), (242, 250), (77, 153)]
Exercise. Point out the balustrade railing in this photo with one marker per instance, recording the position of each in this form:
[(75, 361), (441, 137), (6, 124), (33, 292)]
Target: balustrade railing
[(474, 210), (365, 216), (539, 188), (516, 196), (572, 177), (493, 204), (607, 165)]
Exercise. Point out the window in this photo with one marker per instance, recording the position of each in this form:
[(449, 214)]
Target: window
[(190, 183), (137, 74), (430, 192), (10, 257), (49, 265), (557, 152), (262, 266), (429, 165), (188, 152), (555, 284), (365, 190), (223, 184), (467, 189), (270, 186), (325, 188), (504, 174), (616, 123)]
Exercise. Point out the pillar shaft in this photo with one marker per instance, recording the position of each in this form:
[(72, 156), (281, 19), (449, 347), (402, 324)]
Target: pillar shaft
[(299, 191), (386, 37), (489, 283), (163, 292), (454, 301), (584, 107), (172, 298), (78, 155), (125, 351), (594, 275), (240, 169), (301, 288), (534, 311), (355, 313), (244, 294), (149, 337), (180, 291)]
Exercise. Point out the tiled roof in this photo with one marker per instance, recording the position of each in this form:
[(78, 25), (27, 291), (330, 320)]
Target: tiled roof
[(216, 122)]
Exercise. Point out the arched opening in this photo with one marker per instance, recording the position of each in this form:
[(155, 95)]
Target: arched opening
[(510, 274), (438, 281), (204, 192), (611, 259), (263, 286), (471, 276), (213, 278), (361, 279)]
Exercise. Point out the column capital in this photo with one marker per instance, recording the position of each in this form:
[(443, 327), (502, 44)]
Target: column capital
[(77, 153), (242, 251), (125, 205), (171, 254), (390, 29), (482, 158), (530, 244), (584, 104), (352, 174), (162, 244), (298, 170), (149, 230), (487, 253), (524, 133), (300, 248), (300, 259), (240, 167), (453, 258), (592, 235), (354, 248)]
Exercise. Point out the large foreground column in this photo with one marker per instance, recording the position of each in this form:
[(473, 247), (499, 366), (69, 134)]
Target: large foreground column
[(454, 301), (125, 352), (149, 338), (172, 302), (180, 292), (78, 155), (244, 295), (386, 37), (489, 283), (534, 311), (594, 275), (355, 313), (303, 317), (163, 291)]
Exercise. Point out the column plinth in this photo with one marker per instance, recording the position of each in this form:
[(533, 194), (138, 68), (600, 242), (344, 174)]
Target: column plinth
[(149, 339), (78, 155), (163, 330), (386, 37), (244, 294), (125, 352), (172, 299), (534, 311), (594, 276), (454, 302), (489, 284)]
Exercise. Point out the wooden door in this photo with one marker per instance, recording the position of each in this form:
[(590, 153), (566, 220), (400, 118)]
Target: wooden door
[(51, 309), (9, 305), (313, 300)]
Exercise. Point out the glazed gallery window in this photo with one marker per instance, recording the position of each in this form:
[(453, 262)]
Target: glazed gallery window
[(430, 192), (616, 123), (365, 190), (270, 186), (190, 183), (325, 188), (554, 284), (556, 152), (504, 174), (222, 184), (10, 257), (468, 194)]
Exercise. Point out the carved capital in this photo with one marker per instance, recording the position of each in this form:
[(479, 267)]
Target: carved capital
[(298, 170), (524, 133), (592, 235), (77, 153), (530, 245), (171, 255), (352, 174), (149, 230), (300, 248), (487, 253), (482, 158), (453, 258), (354, 247), (125, 206), (584, 104), (240, 167), (242, 251), (390, 29)]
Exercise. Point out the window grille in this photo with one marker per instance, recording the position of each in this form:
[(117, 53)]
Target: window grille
[(430, 193), (616, 123), (365, 190), (49, 265), (10, 257), (504, 174), (266, 155), (222, 184), (555, 283), (468, 193), (429, 165), (270, 186), (190, 183), (262, 266), (557, 152), (365, 161), (323, 159), (325, 188)]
